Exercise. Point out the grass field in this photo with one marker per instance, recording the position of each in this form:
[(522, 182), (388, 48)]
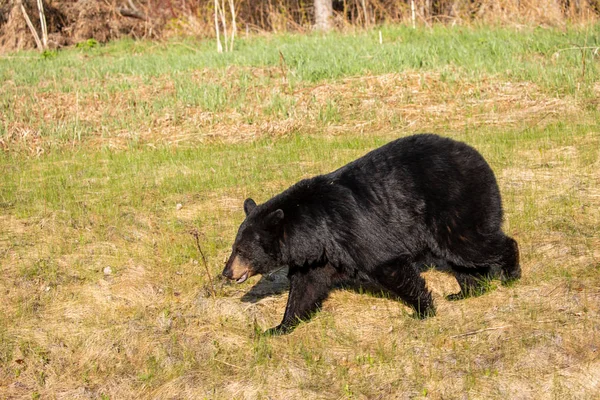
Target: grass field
[(113, 154)]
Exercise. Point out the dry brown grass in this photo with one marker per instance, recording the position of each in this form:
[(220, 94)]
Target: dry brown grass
[(147, 327), (150, 329), (408, 101), (110, 334)]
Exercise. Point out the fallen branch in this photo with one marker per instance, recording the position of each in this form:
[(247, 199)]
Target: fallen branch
[(471, 333), (228, 364)]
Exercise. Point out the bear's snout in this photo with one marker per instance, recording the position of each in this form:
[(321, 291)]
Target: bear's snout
[(227, 272), (237, 269)]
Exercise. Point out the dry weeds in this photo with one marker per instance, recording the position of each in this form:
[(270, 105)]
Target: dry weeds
[(72, 22), (406, 101)]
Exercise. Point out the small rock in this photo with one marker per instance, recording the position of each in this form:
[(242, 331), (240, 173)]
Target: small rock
[(107, 270), (179, 206)]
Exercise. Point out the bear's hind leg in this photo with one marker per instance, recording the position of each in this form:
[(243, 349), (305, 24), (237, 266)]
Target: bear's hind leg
[(402, 279), (308, 288)]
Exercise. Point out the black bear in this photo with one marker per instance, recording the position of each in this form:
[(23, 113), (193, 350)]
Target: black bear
[(418, 200)]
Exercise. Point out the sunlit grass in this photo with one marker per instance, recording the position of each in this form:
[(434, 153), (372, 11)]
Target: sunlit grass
[(144, 85), (112, 155)]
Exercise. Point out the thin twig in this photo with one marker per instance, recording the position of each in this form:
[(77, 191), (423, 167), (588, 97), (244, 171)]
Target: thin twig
[(228, 364), (548, 321), (543, 117), (196, 235), (480, 330), (282, 65), (36, 37)]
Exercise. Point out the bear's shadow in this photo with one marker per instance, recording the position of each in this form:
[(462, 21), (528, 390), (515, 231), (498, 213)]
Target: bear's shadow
[(277, 283), (269, 285)]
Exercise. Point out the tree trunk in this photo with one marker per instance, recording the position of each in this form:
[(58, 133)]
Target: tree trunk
[(323, 13)]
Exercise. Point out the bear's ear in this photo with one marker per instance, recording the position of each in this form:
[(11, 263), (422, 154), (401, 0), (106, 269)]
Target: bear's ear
[(249, 205), (274, 218)]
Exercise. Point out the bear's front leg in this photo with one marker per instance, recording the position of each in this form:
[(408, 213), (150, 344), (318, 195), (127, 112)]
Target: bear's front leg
[(308, 288)]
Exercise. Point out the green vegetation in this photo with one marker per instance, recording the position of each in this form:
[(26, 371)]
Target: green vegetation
[(113, 154), (525, 54), (142, 84)]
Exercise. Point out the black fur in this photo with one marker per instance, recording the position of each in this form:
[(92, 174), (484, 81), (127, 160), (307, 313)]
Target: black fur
[(419, 200)]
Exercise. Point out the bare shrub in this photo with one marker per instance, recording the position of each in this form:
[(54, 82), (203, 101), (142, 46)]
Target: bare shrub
[(73, 21)]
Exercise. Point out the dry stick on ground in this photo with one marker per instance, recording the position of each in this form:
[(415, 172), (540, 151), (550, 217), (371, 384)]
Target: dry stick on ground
[(480, 330), (196, 235), (43, 23), (36, 37), (228, 364)]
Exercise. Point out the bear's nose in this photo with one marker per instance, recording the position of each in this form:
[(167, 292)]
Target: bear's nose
[(227, 273)]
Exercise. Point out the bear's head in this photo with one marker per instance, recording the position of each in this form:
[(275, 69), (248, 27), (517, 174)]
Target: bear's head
[(256, 249)]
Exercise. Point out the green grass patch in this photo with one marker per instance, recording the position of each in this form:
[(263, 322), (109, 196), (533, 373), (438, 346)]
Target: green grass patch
[(524, 54)]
